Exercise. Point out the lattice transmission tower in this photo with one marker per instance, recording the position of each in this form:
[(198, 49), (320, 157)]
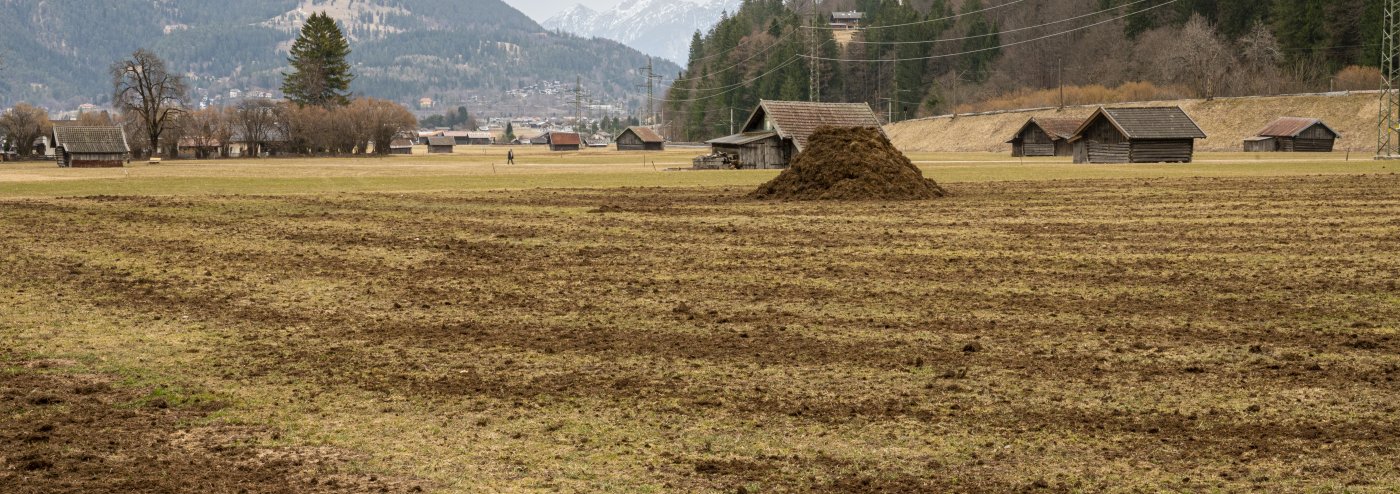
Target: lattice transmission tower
[(1388, 131)]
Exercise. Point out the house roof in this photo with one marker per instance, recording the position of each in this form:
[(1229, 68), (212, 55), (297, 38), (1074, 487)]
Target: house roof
[(1161, 122), (742, 139), (564, 139), (848, 15), (797, 120), (442, 141), (479, 135), (645, 134), (90, 140), (1056, 128), (1292, 126)]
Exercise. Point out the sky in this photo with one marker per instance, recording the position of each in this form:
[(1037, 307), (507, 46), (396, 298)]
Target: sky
[(540, 10)]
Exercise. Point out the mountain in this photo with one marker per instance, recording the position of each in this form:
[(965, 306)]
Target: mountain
[(56, 52), (660, 28)]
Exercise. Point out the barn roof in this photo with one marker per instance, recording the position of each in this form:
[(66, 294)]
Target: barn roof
[(480, 135), (442, 141), (1057, 128), (645, 134), (1292, 126), (1161, 122), (564, 139), (797, 120), (742, 139), (400, 143), (90, 139)]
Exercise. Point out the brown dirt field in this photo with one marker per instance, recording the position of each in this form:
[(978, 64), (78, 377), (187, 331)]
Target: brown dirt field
[(73, 432), (1226, 121), (1077, 335), (850, 164)]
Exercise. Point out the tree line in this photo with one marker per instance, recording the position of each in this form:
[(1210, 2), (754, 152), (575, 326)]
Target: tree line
[(946, 55)]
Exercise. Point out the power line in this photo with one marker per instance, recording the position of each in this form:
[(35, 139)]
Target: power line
[(741, 62), (927, 21), (949, 40), (734, 87), (998, 47)]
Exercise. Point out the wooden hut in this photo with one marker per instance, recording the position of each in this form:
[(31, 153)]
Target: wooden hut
[(1045, 137), (778, 130), (1136, 135), (640, 139), (1294, 134), (441, 144), (401, 146), (564, 141), (90, 146)]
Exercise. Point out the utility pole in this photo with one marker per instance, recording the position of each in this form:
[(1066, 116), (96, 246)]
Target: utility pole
[(578, 100), (814, 89), (1388, 131), (651, 77), (731, 120), (1060, 66)]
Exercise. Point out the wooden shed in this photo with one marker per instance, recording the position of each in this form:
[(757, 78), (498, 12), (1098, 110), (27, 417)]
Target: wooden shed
[(1045, 137), (1136, 135), (778, 130), (401, 146), (1294, 134), (441, 144), (565, 141), (90, 146), (640, 139)]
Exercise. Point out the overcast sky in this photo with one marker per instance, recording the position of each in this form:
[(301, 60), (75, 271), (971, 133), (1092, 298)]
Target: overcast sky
[(544, 9)]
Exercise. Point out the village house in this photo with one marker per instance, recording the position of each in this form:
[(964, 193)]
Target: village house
[(1294, 134), (1045, 137), (778, 130), (640, 139), (90, 146), (441, 144), (1136, 135)]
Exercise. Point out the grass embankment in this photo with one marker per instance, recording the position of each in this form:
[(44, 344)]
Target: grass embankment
[(1135, 333), (1227, 122)]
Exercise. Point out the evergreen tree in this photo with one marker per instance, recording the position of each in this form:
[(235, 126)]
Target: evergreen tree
[(320, 75), (510, 132)]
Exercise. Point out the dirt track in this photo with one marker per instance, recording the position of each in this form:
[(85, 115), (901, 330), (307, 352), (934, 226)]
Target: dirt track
[(1076, 335)]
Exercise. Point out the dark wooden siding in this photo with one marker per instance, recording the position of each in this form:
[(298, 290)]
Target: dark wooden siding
[(440, 149), (1108, 153), (1261, 145), (773, 152), (1313, 145), (630, 142), (1162, 151), (1040, 149)]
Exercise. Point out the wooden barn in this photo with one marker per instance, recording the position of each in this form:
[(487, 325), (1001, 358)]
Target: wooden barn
[(778, 130), (1045, 137), (90, 146), (401, 146), (640, 139), (1136, 135), (1294, 134), (441, 144), (564, 141)]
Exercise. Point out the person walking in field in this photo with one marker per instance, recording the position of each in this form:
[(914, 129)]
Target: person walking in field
[(510, 156)]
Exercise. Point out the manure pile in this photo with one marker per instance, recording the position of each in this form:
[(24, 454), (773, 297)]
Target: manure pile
[(850, 164)]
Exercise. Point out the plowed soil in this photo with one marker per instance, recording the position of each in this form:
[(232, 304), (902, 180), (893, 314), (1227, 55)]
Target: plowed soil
[(1098, 335)]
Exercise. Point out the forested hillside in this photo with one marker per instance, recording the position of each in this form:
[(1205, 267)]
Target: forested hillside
[(926, 57), (57, 52)]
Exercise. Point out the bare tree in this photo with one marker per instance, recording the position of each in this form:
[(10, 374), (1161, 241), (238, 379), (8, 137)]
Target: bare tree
[(206, 131), (378, 121), (22, 125), (1259, 57), (254, 122), (142, 86), (1204, 57)]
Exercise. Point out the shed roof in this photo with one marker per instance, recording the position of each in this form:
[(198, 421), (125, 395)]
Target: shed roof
[(480, 135), (645, 134), (1292, 126), (564, 139), (742, 139), (107, 139), (400, 143), (1056, 128), (442, 141), (1161, 122), (797, 120)]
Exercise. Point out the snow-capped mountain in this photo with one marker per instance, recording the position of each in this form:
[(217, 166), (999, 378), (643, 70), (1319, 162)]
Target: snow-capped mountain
[(659, 28)]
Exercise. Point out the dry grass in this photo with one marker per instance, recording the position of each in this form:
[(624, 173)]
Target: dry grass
[(1123, 334), (1227, 122)]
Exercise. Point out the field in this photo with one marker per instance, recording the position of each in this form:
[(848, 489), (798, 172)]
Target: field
[(587, 323)]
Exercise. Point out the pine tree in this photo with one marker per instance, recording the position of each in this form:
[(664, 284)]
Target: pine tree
[(320, 75)]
